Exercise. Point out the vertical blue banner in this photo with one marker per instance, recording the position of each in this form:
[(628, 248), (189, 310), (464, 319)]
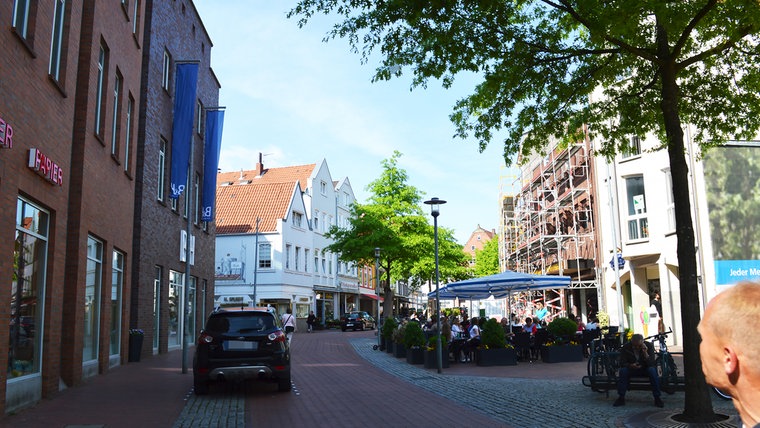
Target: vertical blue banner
[(182, 127), (214, 125)]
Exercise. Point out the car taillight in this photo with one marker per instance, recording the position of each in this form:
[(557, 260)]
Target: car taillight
[(205, 338), (277, 336)]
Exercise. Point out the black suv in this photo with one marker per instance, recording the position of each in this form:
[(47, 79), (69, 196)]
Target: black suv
[(357, 320), (239, 344)]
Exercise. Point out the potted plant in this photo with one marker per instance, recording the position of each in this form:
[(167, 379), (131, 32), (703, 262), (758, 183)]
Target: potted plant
[(389, 326), (431, 353), (562, 348), (414, 341), (494, 349), (399, 350)]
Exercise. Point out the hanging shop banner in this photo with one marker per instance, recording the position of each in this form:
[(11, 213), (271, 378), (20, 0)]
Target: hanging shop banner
[(182, 127), (214, 125)]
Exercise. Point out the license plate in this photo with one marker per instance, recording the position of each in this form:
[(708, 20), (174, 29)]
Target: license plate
[(348, 324), (239, 345)]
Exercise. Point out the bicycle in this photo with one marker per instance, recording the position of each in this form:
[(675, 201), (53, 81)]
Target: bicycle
[(667, 369)]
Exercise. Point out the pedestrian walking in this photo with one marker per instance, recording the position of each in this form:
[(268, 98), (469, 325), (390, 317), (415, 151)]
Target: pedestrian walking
[(311, 320), (289, 322)]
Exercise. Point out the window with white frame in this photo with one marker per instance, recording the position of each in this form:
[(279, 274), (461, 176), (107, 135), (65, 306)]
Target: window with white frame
[(166, 70), (638, 223), (21, 18), (56, 46), (102, 61), (117, 284), (297, 261), (297, 219), (128, 136), (161, 169), (136, 18), (316, 261), (93, 282), (316, 221), (287, 256), (306, 260), (265, 255), (197, 199), (199, 118), (670, 205), (633, 148), (323, 187), (116, 112)]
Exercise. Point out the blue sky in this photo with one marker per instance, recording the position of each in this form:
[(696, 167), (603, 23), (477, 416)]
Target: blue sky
[(298, 100)]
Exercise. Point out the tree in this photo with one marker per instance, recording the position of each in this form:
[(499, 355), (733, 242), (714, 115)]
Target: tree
[(393, 221), (487, 259), (559, 68)]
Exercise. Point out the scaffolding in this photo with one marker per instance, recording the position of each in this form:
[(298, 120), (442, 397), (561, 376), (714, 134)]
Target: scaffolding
[(547, 226)]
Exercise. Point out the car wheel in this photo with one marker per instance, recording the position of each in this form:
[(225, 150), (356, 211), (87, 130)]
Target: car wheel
[(283, 385), (361, 326), (200, 387)]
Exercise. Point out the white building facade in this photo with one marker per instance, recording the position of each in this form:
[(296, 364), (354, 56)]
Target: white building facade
[(282, 261)]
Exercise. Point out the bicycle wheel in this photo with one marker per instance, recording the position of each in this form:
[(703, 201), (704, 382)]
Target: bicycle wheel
[(668, 372), (721, 394)]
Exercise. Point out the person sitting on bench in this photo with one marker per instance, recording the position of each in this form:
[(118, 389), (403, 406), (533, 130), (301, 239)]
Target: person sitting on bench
[(637, 359)]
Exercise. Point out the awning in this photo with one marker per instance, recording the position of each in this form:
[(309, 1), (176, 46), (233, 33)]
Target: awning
[(643, 260), (372, 296)]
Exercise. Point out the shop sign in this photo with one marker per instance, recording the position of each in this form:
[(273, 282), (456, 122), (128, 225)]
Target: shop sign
[(6, 134), (45, 167), (233, 299)]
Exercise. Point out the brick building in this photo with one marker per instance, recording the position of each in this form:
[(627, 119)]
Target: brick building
[(82, 115), (176, 34), (476, 242)]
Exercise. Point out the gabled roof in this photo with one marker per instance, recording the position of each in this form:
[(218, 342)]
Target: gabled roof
[(238, 206), (300, 173)]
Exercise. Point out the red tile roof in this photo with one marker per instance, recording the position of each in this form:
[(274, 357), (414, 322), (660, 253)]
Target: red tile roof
[(300, 173), (238, 206)]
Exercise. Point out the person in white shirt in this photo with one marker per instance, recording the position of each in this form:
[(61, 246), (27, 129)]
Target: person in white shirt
[(289, 322)]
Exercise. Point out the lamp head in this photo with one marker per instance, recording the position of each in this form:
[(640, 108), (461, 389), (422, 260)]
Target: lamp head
[(434, 206), (377, 252)]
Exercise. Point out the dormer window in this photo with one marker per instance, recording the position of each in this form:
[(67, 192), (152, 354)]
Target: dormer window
[(297, 219)]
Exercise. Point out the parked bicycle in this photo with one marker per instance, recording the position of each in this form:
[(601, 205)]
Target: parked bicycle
[(667, 369)]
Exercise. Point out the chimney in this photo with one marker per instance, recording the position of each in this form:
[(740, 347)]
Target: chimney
[(260, 165)]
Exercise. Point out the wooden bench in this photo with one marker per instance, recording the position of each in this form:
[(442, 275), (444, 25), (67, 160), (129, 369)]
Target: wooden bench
[(603, 370)]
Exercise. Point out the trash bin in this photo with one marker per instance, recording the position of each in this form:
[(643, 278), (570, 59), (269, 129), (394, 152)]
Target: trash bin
[(135, 346)]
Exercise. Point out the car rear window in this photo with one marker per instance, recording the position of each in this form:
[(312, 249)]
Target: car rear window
[(239, 323)]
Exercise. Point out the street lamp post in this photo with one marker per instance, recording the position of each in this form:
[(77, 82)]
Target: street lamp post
[(434, 211), (377, 292)]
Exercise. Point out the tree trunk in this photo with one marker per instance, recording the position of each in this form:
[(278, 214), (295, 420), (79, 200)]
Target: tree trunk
[(388, 297), (697, 403)]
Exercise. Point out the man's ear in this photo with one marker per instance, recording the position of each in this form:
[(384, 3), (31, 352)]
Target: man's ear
[(730, 361)]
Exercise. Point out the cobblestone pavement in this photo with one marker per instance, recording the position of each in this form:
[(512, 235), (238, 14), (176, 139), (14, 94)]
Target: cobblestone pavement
[(524, 402), (530, 401)]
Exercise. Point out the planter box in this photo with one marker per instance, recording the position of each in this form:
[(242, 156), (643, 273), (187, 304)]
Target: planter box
[(399, 350), (431, 363), (561, 353), (389, 345), (496, 357), (415, 356)]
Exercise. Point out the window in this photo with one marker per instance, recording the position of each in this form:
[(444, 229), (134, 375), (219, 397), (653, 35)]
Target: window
[(115, 118), (634, 147), (670, 206), (21, 18), (102, 60), (136, 19), (117, 281), (324, 267), (323, 187), (176, 305), (638, 225), (27, 297), (196, 199), (93, 283), (199, 121), (166, 70), (128, 136), (265, 255), (305, 260), (161, 169), (329, 264), (186, 195), (316, 261), (287, 256), (297, 264), (157, 304), (346, 202), (56, 46), (189, 328), (316, 221), (297, 219)]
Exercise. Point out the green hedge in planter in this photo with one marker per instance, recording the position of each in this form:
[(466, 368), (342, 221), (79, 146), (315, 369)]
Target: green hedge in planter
[(493, 335), (413, 335), (389, 326), (562, 328)]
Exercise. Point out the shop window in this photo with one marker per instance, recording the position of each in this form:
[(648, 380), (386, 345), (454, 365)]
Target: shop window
[(117, 284), (93, 284), (27, 290)]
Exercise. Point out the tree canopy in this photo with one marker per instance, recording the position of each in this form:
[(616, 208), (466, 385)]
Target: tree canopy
[(562, 69), (487, 258), (393, 221)]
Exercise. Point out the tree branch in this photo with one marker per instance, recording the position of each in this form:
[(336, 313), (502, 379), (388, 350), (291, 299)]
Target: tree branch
[(692, 24), (717, 49)]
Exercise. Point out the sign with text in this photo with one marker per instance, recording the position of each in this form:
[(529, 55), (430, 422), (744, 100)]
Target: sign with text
[(6, 134), (45, 167)]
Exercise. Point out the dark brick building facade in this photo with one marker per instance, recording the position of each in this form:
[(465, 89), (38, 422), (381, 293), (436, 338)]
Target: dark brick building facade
[(82, 115)]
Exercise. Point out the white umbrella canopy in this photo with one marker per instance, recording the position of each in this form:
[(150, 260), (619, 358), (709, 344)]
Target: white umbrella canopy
[(500, 285)]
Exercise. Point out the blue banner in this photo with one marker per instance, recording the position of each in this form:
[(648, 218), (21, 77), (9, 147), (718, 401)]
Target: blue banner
[(214, 125), (182, 127)]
